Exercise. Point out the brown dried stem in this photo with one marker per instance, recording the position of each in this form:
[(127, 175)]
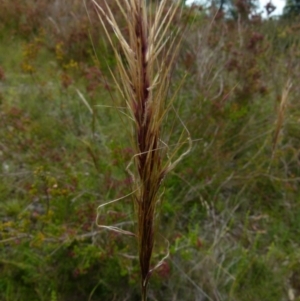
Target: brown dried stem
[(144, 69)]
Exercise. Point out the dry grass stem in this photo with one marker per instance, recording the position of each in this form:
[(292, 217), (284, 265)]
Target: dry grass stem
[(280, 113), (147, 53)]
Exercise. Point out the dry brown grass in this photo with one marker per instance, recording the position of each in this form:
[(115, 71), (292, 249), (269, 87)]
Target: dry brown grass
[(281, 113), (148, 50)]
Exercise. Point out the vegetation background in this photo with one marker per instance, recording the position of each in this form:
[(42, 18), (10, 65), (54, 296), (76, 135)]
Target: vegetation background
[(231, 209)]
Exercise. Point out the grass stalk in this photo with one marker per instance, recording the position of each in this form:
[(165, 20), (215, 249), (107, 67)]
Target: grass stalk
[(147, 53), (280, 114), (280, 119)]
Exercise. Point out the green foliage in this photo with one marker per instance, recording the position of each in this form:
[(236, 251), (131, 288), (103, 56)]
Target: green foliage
[(230, 210), (292, 8)]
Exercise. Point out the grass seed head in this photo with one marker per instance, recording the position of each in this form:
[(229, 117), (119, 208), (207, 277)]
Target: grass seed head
[(144, 64)]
